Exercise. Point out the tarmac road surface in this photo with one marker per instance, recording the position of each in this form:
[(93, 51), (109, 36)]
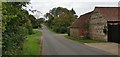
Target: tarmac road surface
[(55, 44)]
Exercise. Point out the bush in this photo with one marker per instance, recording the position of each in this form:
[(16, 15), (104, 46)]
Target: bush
[(63, 30), (16, 25), (12, 41), (29, 28)]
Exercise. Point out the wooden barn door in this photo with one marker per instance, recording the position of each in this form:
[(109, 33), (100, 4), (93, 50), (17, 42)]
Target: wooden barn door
[(114, 31)]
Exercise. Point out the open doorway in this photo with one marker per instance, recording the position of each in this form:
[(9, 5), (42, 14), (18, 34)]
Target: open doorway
[(113, 31)]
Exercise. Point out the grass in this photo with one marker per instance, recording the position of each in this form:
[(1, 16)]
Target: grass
[(84, 40), (32, 43)]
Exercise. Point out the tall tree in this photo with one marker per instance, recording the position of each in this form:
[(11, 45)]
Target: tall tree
[(60, 18), (33, 21)]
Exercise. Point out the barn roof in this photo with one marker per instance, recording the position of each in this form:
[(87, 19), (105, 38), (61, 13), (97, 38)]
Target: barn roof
[(81, 20), (111, 13)]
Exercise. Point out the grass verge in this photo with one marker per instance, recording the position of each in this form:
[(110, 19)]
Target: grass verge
[(83, 40), (32, 43)]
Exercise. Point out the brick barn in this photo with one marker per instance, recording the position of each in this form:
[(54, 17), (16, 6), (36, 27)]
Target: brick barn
[(103, 23), (79, 27)]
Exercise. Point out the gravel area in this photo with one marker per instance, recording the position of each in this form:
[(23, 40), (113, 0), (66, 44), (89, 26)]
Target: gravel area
[(108, 47)]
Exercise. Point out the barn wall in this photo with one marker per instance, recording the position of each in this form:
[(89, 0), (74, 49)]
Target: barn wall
[(74, 32), (96, 25)]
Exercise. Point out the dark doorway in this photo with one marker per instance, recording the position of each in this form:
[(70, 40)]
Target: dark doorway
[(113, 31)]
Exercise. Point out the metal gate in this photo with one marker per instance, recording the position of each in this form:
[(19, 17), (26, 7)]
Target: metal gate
[(113, 31)]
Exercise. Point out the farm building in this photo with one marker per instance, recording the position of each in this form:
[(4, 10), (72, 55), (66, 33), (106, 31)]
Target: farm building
[(79, 28), (103, 23)]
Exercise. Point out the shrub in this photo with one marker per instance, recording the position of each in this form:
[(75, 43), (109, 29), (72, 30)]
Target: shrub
[(16, 25)]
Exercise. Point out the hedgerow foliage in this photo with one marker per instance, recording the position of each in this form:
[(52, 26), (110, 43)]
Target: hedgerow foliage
[(15, 26)]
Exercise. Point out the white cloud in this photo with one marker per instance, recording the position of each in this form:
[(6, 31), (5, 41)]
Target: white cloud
[(80, 6)]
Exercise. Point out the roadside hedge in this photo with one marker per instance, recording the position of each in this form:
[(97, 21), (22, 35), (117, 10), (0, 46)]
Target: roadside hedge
[(15, 26)]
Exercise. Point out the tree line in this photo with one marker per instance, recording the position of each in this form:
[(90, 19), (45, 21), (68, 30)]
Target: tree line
[(59, 19)]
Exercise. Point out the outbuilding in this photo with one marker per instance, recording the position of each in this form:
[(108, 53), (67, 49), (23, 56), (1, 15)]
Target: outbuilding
[(102, 23), (79, 28)]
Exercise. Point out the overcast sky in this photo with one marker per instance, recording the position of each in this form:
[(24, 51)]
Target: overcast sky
[(80, 6)]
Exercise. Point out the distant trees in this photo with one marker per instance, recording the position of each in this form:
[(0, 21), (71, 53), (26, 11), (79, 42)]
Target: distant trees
[(33, 21), (16, 24), (59, 19), (36, 22), (40, 21)]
